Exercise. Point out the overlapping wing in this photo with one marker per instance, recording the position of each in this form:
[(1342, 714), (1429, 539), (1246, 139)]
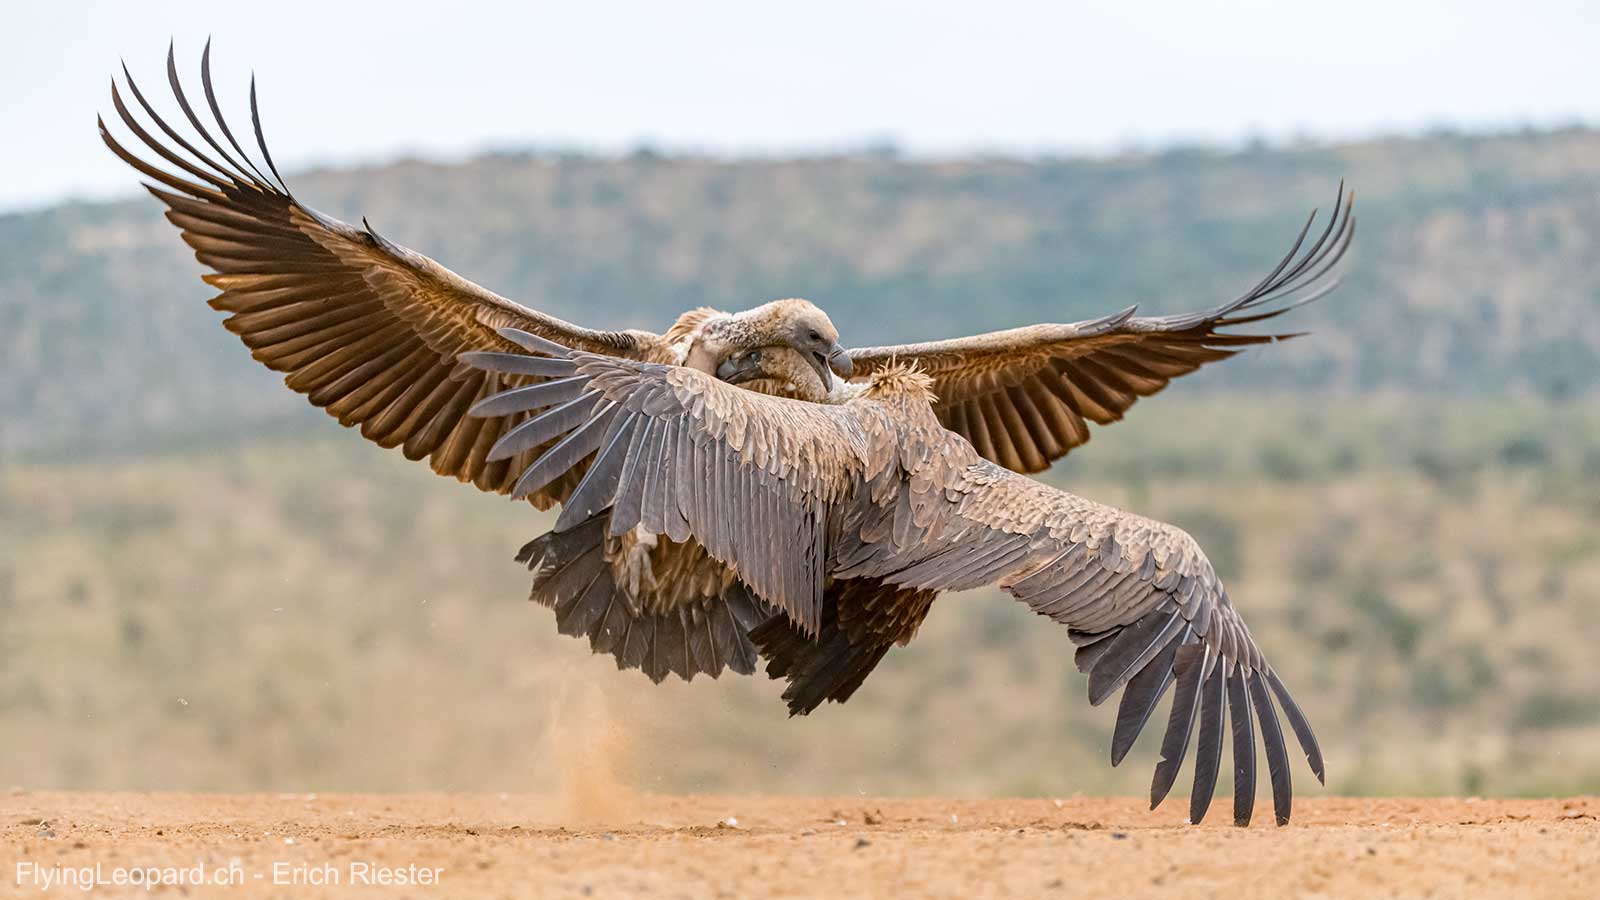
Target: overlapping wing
[(678, 453)]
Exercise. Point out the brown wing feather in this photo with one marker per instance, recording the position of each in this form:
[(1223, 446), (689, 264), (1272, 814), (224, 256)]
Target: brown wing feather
[(1022, 395), (366, 329)]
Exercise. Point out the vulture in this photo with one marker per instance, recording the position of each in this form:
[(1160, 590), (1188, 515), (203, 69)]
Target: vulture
[(741, 486), (844, 520)]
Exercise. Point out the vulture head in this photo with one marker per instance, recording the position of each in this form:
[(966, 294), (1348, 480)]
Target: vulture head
[(779, 370), (794, 324)]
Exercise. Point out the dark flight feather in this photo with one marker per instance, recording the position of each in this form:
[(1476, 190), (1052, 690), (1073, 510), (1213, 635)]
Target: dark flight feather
[(1139, 700), (1244, 747), (1297, 721), (1277, 754), (1129, 652), (532, 397), (1190, 666), (1208, 749)]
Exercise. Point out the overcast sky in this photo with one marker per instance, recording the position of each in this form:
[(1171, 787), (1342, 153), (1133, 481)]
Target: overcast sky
[(339, 85)]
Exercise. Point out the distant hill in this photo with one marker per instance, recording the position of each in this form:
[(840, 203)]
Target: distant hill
[(1475, 269)]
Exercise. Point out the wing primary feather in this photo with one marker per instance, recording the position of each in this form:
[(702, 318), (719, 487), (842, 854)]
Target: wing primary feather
[(1334, 254), (161, 150), (1301, 727), (1315, 253), (1323, 289), (1277, 754), (1129, 652), (183, 103), (1091, 647), (1144, 692), (216, 113), (1190, 666), (261, 141), (171, 132), (1208, 753), (684, 486), (565, 454), (630, 485), (531, 397), (1260, 286), (534, 343), (544, 427), (518, 364), (650, 507), (598, 487), (674, 484), (1244, 747)]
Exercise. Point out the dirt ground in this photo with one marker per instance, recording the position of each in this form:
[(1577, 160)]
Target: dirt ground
[(308, 845)]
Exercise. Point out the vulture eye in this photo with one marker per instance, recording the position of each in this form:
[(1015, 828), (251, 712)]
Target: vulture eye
[(816, 337)]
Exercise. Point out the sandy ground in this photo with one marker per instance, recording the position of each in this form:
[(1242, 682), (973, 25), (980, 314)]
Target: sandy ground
[(517, 846)]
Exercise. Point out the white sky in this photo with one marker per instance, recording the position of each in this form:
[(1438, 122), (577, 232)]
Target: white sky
[(340, 84)]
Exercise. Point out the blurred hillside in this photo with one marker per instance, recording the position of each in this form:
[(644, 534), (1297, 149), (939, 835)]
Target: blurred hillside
[(1475, 265), (324, 615), (206, 584)]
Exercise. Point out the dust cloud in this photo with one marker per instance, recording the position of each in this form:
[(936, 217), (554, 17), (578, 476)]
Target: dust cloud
[(591, 750)]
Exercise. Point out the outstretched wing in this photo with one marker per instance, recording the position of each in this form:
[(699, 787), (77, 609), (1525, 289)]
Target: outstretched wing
[(1024, 396), (678, 453), (366, 329), (1148, 612), (1139, 597)]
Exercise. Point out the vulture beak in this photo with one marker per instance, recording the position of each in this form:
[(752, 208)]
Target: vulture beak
[(741, 368), (837, 359)]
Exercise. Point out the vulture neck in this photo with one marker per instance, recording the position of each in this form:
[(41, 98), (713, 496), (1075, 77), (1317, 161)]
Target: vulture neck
[(697, 355), (685, 339), (704, 337)]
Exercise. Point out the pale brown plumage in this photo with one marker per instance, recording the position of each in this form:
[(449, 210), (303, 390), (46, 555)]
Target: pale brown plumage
[(846, 520)]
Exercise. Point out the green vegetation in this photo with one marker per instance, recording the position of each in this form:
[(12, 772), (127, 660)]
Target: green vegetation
[(323, 614), (205, 584)]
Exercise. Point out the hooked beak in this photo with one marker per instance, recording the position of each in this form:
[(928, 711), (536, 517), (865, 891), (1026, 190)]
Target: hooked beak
[(739, 369), (837, 359)]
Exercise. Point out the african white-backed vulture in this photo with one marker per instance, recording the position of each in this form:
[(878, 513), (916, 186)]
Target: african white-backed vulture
[(844, 521)]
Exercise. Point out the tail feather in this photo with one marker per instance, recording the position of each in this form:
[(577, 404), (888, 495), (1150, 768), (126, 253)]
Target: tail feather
[(829, 667), (573, 576)]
